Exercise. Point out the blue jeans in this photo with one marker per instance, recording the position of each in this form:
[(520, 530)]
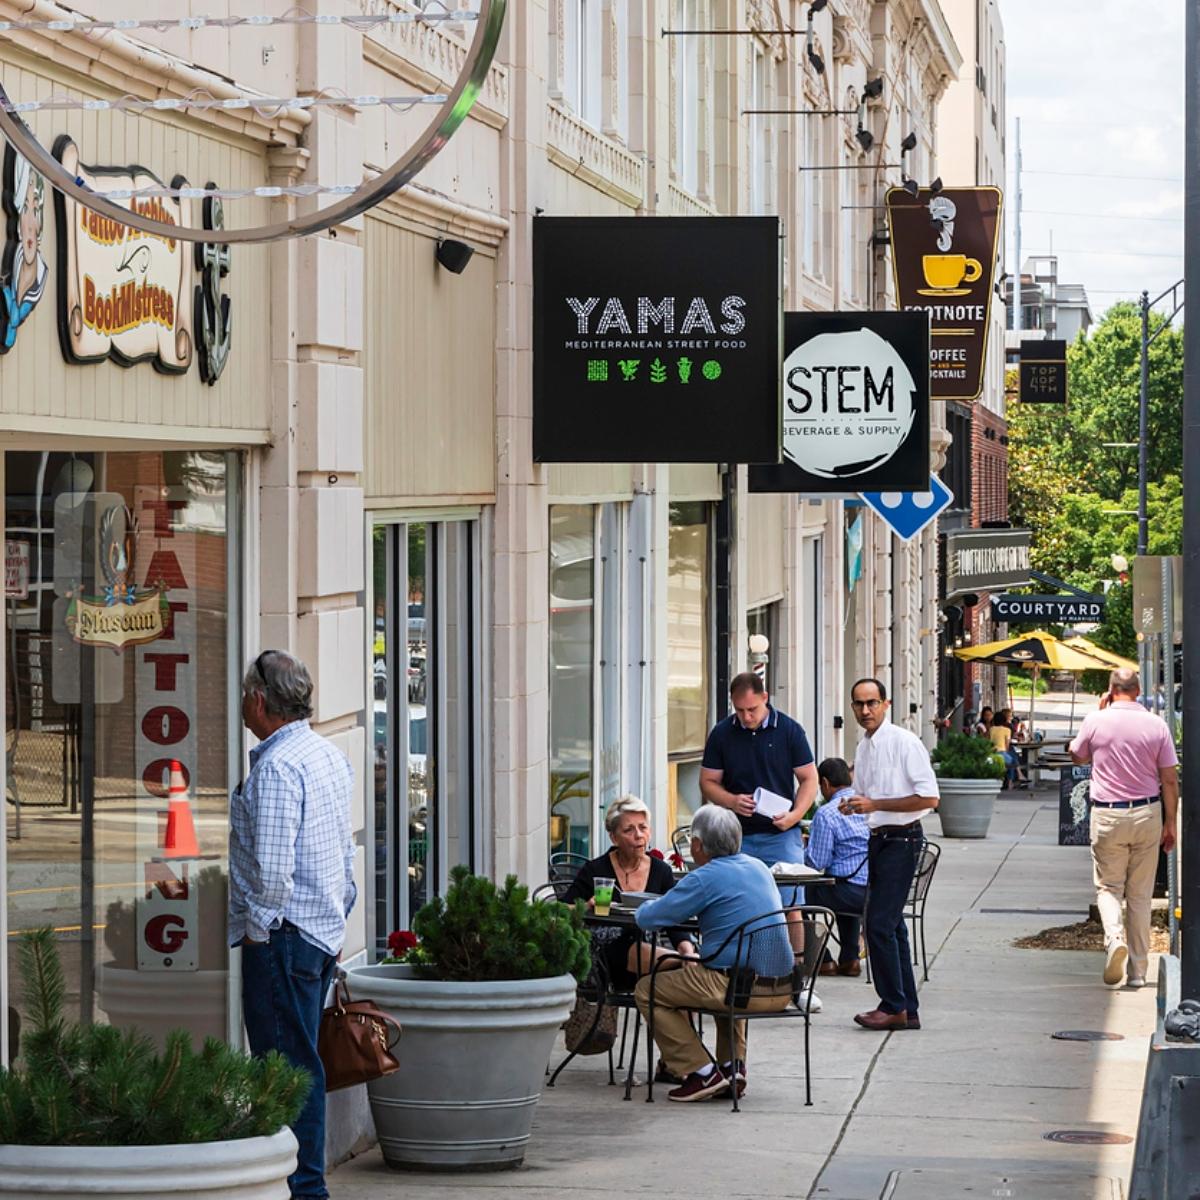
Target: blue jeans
[(284, 985), (892, 859), (771, 848)]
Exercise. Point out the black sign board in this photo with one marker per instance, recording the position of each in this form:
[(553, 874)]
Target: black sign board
[(986, 560), (1074, 805), (656, 339), (855, 404), (1044, 372), (1059, 610)]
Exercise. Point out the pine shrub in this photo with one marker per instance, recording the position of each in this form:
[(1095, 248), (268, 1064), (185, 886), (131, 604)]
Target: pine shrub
[(478, 932), (94, 1085), (965, 756)]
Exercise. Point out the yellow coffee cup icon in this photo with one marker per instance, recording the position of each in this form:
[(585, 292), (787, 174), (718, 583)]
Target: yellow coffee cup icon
[(944, 272)]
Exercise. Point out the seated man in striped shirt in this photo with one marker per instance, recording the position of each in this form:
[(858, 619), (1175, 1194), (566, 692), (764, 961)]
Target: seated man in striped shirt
[(837, 845)]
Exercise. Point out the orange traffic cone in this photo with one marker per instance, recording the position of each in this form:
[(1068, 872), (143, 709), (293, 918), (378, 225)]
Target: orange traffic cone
[(179, 840)]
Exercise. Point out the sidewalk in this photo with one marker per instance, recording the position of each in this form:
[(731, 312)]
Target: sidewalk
[(958, 1109)]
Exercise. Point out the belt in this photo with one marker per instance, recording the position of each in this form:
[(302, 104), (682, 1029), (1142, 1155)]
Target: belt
[(767, 980), (1125, 803), (912, 830)]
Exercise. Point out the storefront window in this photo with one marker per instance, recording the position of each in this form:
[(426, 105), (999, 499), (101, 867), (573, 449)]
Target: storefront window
[(424, 722), (572, 649), (122, 728), (688, 628)]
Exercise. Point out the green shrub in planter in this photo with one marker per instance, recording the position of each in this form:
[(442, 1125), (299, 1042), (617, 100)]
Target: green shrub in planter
[(478, 932), (964, 756), (93, 1085)]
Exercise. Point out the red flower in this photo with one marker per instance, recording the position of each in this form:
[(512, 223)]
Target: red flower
[(676, 859), (401, 941), (656, 854)]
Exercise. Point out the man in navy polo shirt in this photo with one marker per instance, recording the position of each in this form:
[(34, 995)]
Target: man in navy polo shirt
[(760, 747)]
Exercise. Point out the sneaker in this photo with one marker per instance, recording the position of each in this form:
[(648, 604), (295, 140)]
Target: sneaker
[(700, 1087), (814, 1001), (1135, 981), (735, 1070), (1114, 963)]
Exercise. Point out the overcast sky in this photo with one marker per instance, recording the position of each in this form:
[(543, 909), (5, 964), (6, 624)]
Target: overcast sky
[(1098, 85)]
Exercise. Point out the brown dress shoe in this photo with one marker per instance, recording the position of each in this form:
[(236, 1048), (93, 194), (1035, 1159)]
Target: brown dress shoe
[(878, 1019), (829, 968), (853, 968)]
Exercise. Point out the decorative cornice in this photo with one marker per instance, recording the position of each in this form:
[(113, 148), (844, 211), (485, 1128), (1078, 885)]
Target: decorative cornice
[(441, 214), (588, 155), (431, 58)]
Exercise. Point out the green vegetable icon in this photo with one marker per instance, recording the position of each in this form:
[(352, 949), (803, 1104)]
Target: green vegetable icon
[(711, 369), (658, 371)]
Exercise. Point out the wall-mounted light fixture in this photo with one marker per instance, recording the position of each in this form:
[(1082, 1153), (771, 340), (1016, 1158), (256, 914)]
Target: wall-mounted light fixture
[(454, 255)]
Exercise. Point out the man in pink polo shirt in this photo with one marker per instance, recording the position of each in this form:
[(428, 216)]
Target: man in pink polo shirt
[(1132, 757)]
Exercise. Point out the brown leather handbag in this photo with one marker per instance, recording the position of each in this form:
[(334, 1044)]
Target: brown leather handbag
[(356, 1040)]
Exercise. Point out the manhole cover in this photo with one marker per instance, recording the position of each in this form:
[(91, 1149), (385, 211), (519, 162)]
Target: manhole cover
[(1086, 1137), (1086, 1035)]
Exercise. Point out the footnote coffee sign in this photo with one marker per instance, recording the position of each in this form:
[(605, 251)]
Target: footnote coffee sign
[(656, 339), (855, 404), (123, 294), (944, 256)]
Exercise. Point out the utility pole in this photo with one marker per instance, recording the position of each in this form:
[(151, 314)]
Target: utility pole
[(1190, 841), (1018, 292)]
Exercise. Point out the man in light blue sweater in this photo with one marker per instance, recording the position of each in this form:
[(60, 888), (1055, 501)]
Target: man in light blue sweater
[(726, 890)]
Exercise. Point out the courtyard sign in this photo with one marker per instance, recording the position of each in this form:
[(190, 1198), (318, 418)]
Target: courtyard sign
[(1059, 610)]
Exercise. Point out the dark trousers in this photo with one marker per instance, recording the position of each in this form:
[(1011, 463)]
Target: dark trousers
[(284, 985), (892, 863), (847, 900)]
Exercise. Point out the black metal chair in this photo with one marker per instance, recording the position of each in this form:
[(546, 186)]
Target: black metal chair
[(556, 889), (565, 865), (747, 941), (918, 894), (681, 843)]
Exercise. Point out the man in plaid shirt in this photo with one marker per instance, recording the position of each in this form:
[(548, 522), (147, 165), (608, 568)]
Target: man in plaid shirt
[(291, 884), (837, 844)]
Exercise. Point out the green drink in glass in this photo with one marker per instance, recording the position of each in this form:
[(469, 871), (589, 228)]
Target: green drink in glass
[(603, 895)]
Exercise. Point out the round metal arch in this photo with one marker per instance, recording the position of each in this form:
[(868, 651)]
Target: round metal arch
[(450, 116)]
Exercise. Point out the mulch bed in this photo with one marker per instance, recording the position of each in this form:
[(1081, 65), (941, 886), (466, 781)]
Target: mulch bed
[(1086, 935)]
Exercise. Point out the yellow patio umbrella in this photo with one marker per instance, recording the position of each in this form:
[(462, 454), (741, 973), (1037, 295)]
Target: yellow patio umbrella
[(1111, 660), (1037, 650)]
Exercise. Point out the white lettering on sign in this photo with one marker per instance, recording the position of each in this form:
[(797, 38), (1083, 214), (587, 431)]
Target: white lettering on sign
[(849, 403), (16, 570), (660, 313), (991, 560)]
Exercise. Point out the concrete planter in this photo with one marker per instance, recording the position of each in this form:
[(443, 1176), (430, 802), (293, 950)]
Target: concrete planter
[(473, 1061), (966, 806), (155, 1002), (245, 1169)]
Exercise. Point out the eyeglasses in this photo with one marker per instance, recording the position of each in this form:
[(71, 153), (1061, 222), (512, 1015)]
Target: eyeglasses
[(869, 704)]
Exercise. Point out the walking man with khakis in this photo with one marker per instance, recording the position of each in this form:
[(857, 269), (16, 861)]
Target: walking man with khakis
[(1132, 757)]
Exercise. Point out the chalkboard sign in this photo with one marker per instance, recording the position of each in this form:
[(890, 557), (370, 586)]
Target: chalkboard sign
[(1074, 805)]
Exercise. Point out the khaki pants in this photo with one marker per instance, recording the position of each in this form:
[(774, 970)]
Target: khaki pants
[(695, 986), (1125, 844)]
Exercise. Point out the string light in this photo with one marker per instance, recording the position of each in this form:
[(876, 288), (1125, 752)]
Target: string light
[(358, 21), (202, 101)]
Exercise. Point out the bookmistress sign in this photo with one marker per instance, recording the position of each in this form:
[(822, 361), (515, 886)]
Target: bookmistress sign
[(855, 404), (656, 339), (943, 259)]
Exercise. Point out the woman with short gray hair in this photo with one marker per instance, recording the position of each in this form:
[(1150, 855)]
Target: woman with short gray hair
[(633, 869)]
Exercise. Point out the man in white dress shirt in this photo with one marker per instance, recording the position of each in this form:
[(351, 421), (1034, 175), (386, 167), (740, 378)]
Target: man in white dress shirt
[(895, 787)]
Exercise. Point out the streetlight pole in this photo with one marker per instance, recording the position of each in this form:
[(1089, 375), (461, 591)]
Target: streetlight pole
[(1190, 841)]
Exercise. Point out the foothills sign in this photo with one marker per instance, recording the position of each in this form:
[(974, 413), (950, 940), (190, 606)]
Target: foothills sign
[(986, 560)]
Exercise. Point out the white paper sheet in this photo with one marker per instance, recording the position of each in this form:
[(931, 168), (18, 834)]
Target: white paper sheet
[(770, 804)]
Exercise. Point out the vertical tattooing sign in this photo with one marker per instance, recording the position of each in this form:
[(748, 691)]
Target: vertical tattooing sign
[(166, 677), (123, 294)]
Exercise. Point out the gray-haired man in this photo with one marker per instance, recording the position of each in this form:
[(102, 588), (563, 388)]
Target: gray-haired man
[(726, 890), (291, 884)]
